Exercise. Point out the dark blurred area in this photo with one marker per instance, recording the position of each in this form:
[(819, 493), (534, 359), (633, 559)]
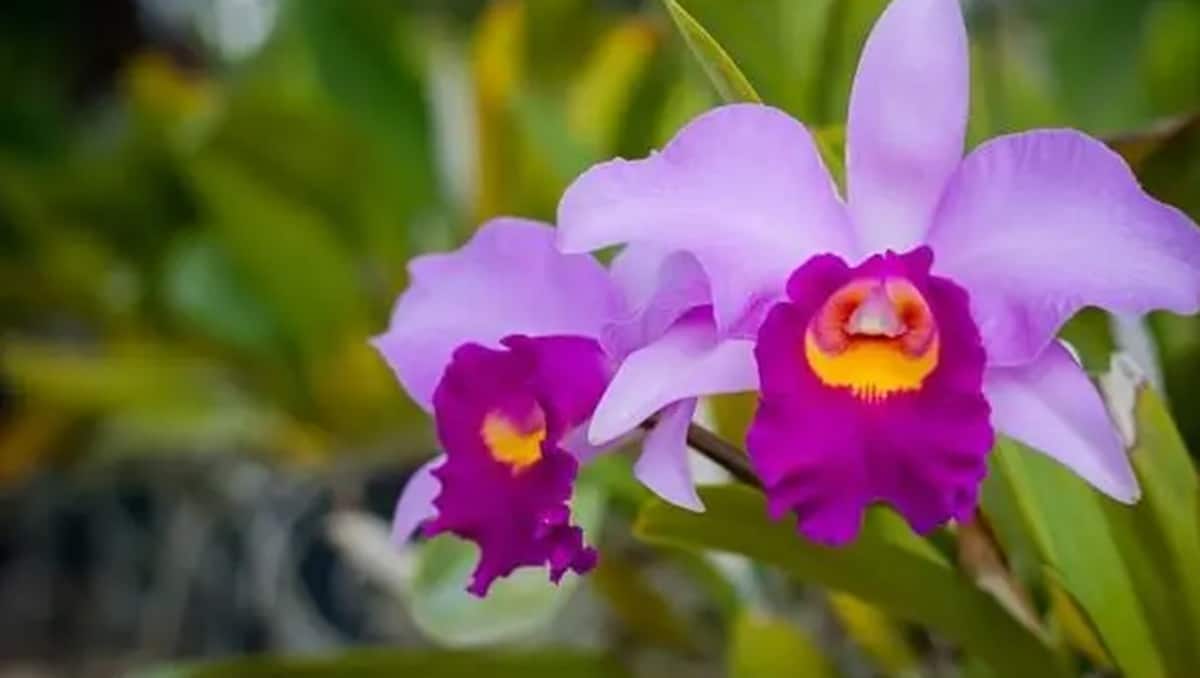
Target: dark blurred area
[(206, 209)]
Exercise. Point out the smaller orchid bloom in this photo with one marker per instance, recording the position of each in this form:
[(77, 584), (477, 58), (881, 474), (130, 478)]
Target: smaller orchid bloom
[(511, 344), (898, 330)]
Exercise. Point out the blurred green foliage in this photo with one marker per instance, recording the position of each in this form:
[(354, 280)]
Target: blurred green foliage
[(385, 664), (198, 234), (245, 216)]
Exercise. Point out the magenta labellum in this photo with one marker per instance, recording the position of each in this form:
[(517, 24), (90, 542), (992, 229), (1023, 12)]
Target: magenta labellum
[(501, 416), (872, 390)]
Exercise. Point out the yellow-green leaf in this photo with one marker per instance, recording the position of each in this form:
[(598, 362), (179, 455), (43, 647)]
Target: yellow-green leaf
[(1065, 520), (725, 75), (881, 638), (390, 663), (767, 647), (642, 608), (887, 566), (603, 90), (1130, 568)]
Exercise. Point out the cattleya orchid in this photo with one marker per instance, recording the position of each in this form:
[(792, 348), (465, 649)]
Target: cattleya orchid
[(510, 344), (895, 331)]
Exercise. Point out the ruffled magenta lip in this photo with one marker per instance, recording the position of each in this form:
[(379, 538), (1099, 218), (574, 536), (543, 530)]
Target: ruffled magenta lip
[(501, 415), (826, 449)]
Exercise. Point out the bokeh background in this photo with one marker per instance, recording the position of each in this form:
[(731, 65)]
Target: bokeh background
[(206, 208)]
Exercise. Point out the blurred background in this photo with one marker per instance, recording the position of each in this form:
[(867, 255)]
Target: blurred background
[(206, 208)]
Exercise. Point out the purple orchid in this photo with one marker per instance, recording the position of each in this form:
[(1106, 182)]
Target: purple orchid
[(897, 330), (510, 344)]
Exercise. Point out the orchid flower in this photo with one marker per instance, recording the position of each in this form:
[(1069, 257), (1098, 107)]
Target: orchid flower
[(510, 344), (896, 331)]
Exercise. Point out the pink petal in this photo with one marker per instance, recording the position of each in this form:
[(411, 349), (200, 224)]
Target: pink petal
[(660, 287), (415, 504), (1038, 225), (908, 117), (509, 279), (741, 187), (1052, 406), (663, 466), (688, 361)]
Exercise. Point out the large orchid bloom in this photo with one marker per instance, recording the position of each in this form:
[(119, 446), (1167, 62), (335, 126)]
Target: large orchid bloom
[(898, 329), (510, 344)]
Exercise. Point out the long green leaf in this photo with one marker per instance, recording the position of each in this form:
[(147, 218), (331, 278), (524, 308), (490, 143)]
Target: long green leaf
[(1159, 537), (1129, 567), (767, 647), (887, 566), (1065, 520), (286, 253), (726, 77), (876, 634), (644, 610), (779, 45), (390, 663), (731, 84), (355, 51)]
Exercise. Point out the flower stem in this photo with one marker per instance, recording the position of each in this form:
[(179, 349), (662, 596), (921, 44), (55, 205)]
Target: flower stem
[(725, 454), (722, 452)]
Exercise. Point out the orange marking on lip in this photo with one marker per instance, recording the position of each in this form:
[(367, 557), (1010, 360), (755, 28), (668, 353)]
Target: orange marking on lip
[(874, 337)]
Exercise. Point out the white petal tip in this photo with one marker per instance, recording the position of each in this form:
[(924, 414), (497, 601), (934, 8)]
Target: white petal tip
[(684, 498), (564, 242), (608, 425), (690, 502), (1126, 495), (603, 435)]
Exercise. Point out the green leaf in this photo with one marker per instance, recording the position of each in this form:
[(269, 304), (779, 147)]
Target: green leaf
[(642, 608), (122, 378), (831, 144), (368, 193), (1171, 172), (355, 50), (1089, 332), (1067, 619), (1159, 537), (603, 89), (881, 638), (1171, 54), (543, 122), (516, 607), (847, 26), (1129, 567), (391, 663), (150, 398), (778, 44), (1065, 520), (202, 289), (732, 414), (1090, 46), (888, 566), (498, 70), (766, 647), (286, 253), (724, 74)]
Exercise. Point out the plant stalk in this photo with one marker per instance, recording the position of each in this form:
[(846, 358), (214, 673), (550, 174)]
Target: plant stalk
[(722, 452)]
